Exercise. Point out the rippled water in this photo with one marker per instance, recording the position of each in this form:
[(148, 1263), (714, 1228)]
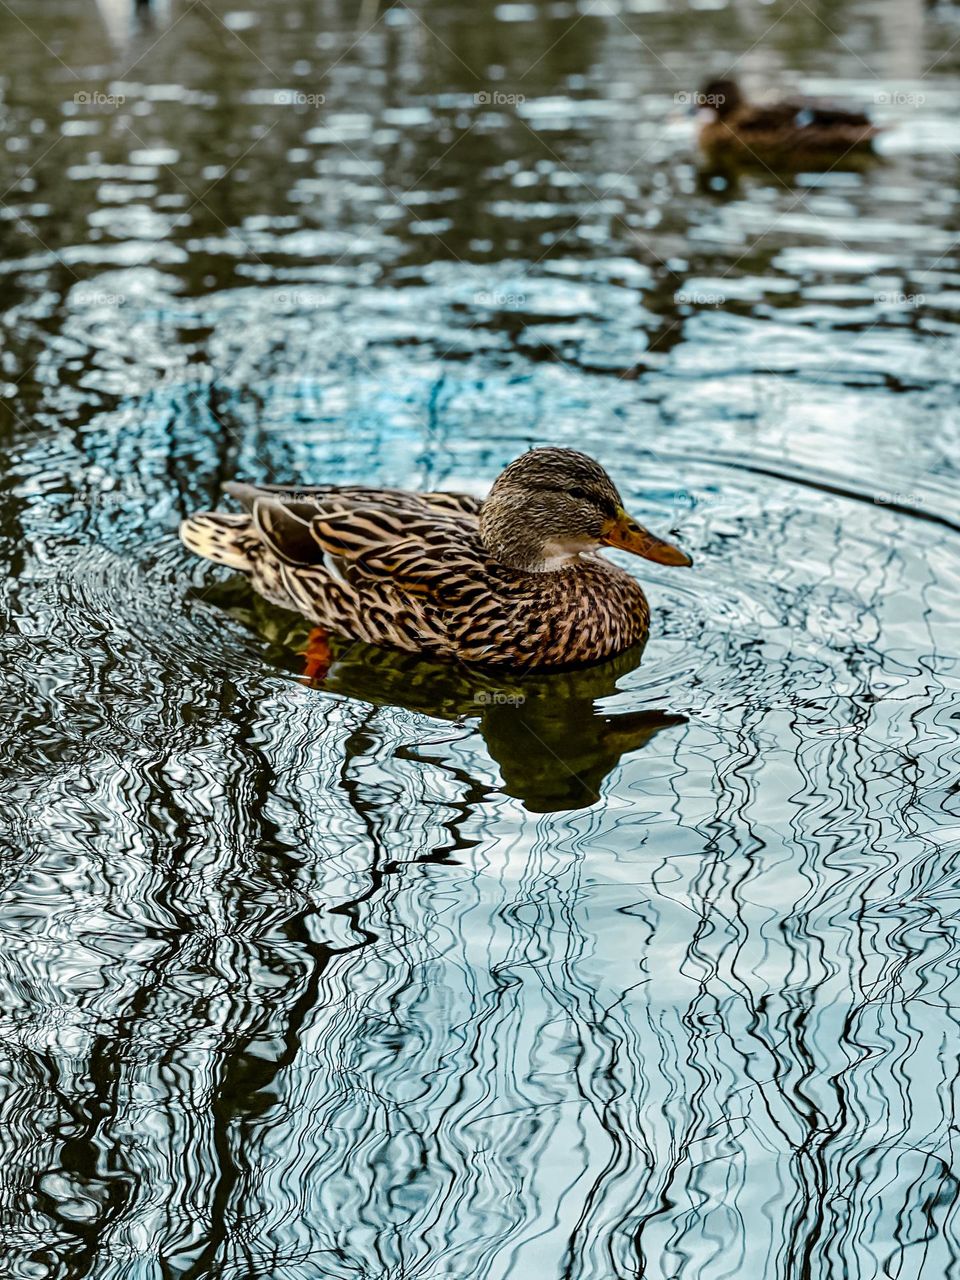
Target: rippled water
[(650, 971)]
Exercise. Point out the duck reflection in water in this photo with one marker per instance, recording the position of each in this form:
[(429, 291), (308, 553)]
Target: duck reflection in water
[(124, 20), (554, 745)]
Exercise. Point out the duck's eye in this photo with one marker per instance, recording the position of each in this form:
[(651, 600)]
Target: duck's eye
[(579, 493)]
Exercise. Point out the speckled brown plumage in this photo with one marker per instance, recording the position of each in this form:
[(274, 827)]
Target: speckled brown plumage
[(414, 571)]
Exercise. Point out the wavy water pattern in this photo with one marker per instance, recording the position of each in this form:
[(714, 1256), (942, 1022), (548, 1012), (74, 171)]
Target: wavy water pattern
[(649, 971)]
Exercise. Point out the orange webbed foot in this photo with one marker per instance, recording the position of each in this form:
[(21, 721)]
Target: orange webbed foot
[(317, 655)]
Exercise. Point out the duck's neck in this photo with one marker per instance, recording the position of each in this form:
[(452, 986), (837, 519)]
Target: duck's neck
[(563, 555), (527, 551), (512, 533)]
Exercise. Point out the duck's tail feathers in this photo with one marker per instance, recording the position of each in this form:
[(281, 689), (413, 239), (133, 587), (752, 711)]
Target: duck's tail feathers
[(222, 538)]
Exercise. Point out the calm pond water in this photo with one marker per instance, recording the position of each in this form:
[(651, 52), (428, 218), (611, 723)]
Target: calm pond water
[(648, 971)]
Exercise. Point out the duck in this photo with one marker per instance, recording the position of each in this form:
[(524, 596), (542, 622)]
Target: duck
[(796, 129), (515, 580)]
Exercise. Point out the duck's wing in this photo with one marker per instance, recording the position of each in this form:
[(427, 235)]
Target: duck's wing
[(414, 545), (799, 114), (345, 497)]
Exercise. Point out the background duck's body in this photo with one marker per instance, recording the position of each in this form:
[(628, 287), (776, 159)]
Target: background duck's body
[(796, 130), (417, 571)]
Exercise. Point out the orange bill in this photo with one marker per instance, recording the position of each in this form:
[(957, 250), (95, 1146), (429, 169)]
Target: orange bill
[(624, 532)]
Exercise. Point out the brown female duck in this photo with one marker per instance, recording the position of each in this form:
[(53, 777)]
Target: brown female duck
[(793, 130), (513, 580)]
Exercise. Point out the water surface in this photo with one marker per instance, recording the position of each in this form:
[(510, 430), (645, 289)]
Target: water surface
[(646, 972)]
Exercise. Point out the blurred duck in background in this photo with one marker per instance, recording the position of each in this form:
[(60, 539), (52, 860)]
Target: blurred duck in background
[(792, 133)]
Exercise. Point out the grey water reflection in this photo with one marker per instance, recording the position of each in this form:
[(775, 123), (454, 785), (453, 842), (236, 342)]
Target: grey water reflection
[(376, 979)]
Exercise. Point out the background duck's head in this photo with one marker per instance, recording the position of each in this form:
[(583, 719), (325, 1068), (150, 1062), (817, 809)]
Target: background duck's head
[(720, 96), (550, 505)]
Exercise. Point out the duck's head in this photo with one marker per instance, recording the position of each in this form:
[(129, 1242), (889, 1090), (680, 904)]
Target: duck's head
[(720, 96), (551, 505)]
